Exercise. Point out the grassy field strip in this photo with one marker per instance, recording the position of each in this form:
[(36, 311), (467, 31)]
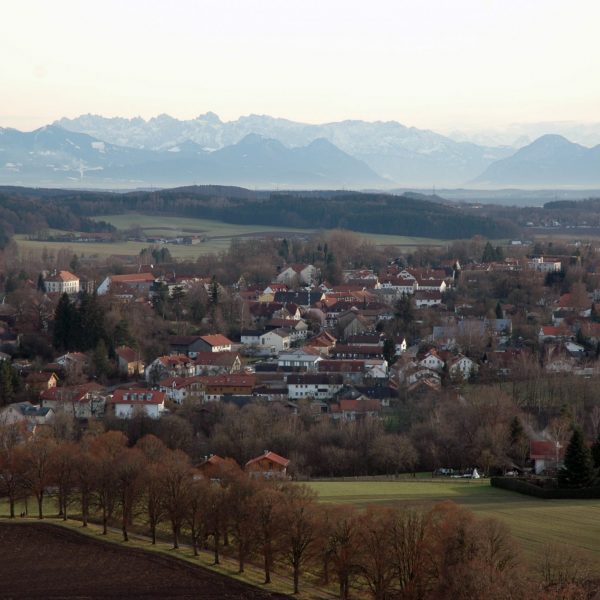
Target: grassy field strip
[(218, 234), (534, 522), (101, 250)]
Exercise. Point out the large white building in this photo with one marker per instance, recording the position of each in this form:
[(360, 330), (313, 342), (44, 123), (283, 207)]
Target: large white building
[(127, 403), (62, 282)]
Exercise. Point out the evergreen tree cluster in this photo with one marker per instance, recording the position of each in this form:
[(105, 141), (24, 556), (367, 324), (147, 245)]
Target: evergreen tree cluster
[(79, 326), (9, 383), (578, 469), (491, 254)]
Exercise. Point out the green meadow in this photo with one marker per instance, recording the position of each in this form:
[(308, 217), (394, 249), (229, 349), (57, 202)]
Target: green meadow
[(535, 523), (217, 236)]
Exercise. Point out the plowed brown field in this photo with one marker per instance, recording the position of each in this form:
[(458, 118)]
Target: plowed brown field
[(39, 560)]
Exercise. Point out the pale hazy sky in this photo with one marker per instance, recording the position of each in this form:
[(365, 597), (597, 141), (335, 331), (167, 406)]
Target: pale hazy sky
[(440, 64)]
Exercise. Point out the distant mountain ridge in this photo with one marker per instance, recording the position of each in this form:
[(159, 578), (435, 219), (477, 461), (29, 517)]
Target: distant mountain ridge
[(53, 155), (402, 154), (549, 160), (271, 153)]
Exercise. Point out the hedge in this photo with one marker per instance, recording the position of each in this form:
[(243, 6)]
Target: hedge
[(524, 487)]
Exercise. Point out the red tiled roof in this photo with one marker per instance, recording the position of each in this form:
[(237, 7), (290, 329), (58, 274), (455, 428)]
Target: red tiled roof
[(216, 358), (127, 354), (224, 380), (63, 276), (132, 277), (284, 462), (216, 340), (545, 449), (137, 396)]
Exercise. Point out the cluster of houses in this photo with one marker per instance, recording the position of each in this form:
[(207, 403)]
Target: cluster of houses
[(304, 341)]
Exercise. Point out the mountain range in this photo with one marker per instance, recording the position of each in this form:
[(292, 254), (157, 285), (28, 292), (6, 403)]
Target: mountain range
[(396, 152), (267, 152), (52, 155)]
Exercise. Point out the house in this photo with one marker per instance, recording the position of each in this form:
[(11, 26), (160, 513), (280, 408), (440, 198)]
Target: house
[(297, 328), (189, 345), (183, 389), (428, 299), (268, 465), (268, 294), (299, 359), (276, 341), (81, 402), (62, 282), (214, 343), (551, 333), (431, 285), (217, 386), (376, 368), (461, 367), (351, 323), (128, 361), (251, 337), (26, 412), (132, 282), (432, 361), (546, 455), (38, 382), (73, 362), (175, 365), (125, 404), (217, 363), (353, 409), (352, 371), (545, 265), (310, 385), (322, 343), (297, 274), (301, 298)]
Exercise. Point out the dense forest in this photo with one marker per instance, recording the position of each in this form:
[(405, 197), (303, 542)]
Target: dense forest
[(24, 210)]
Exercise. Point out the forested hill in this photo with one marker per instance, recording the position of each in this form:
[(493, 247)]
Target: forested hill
[(24, 210)]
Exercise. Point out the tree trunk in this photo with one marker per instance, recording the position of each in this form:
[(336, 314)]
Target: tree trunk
[(40, 500), (84, 509), (216, 537), (11, 503), (153, 533), (326, 570), (267, 565), (175, 538), (241, 560), (296, 578), (104, 521)]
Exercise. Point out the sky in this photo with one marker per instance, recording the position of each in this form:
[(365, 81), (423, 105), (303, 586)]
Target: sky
[(436, 64)]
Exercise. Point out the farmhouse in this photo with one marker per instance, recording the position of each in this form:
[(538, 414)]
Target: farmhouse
[(268, 465)]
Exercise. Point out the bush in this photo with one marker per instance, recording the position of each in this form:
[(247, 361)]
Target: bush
[(523, 486)]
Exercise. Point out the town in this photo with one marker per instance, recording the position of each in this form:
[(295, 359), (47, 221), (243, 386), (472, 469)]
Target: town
[(359, 335)]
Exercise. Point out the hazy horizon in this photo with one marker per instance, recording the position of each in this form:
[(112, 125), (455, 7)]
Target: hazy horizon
[(464, 66)]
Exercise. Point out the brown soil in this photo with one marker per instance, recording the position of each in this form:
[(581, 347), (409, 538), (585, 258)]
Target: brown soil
[(40, 560)]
